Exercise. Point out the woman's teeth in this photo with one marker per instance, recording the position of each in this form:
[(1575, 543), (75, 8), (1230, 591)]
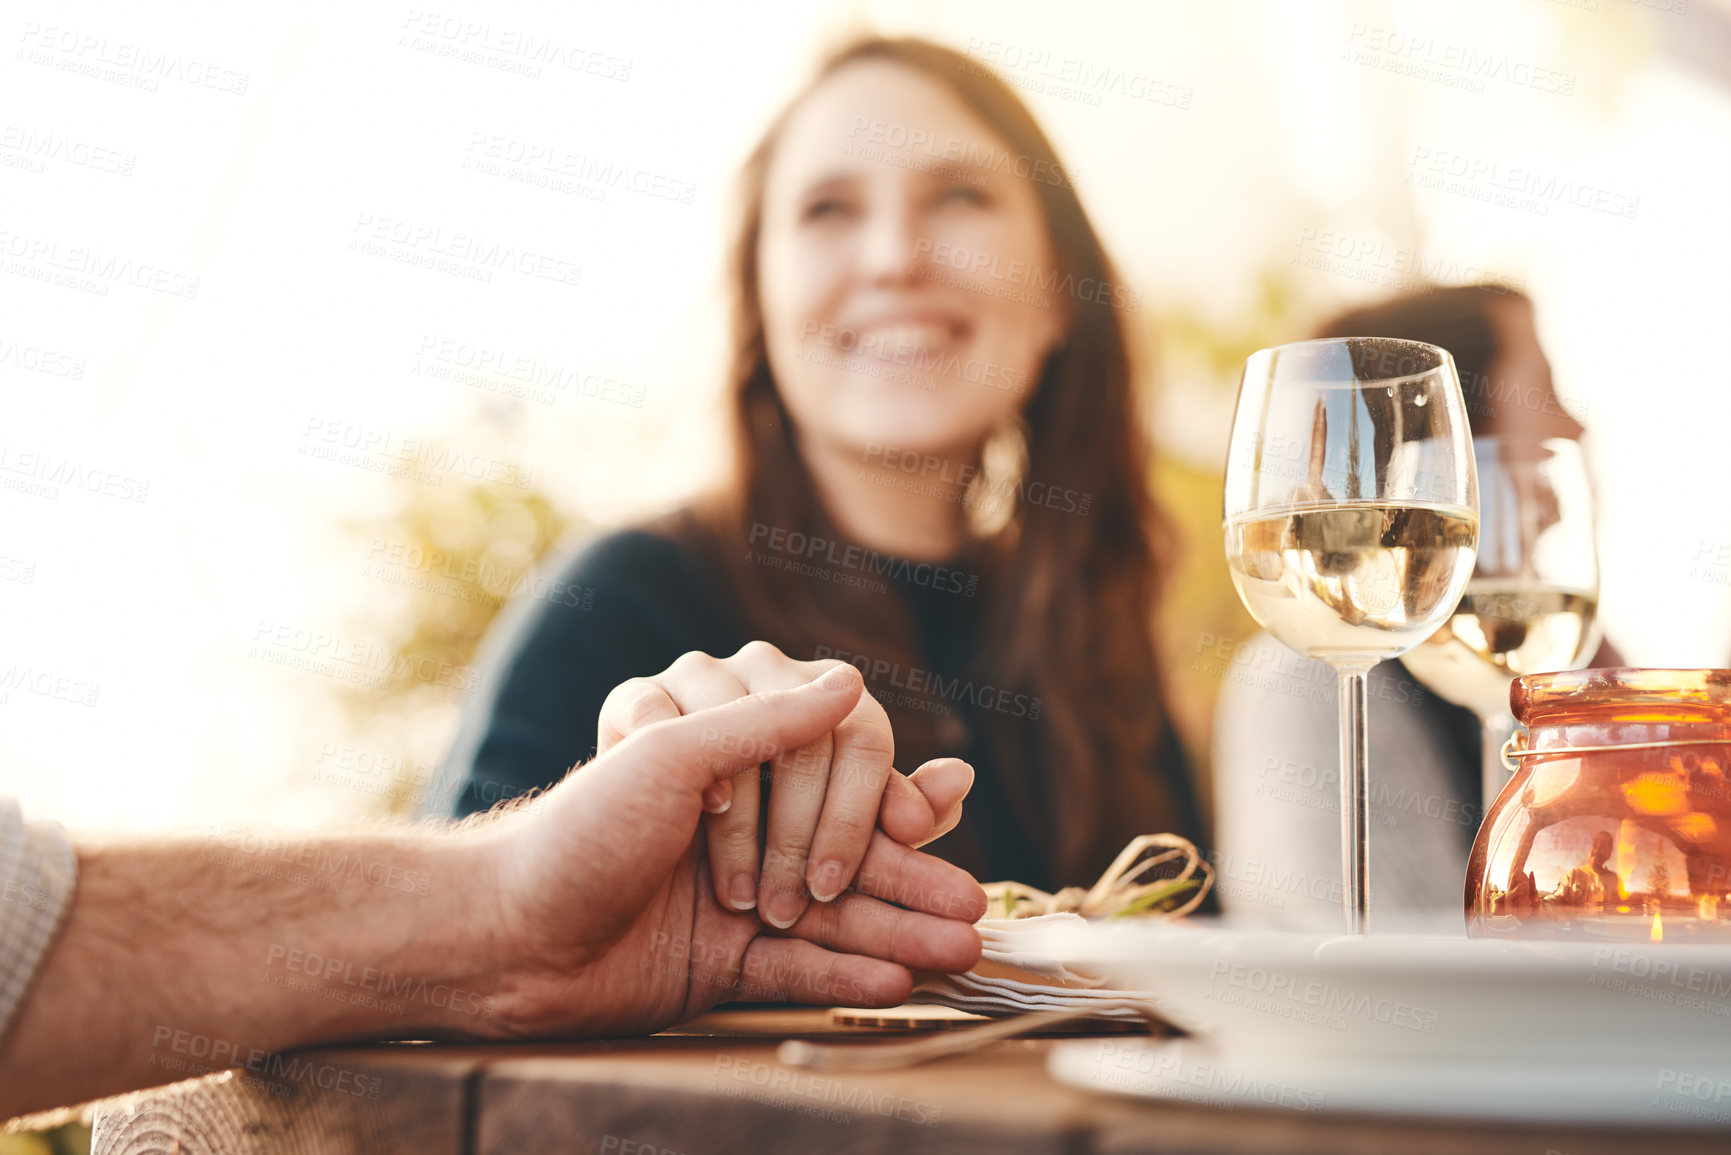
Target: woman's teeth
[(909, 337)]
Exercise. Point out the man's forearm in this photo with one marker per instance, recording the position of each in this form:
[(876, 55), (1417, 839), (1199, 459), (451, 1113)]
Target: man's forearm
[(185, 956)]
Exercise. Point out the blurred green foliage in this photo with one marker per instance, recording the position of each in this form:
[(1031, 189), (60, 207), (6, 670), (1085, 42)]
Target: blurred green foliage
[(1208, 351), (1205, 354), (447, 558)]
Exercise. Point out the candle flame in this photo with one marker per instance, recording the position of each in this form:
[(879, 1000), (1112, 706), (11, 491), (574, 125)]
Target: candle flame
[(1658, 934)]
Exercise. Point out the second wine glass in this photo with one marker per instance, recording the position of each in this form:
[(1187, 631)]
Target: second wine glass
[(1531, 606), (1351, 519)]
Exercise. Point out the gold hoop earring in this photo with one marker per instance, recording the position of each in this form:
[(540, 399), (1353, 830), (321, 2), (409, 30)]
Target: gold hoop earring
[(991, 495)]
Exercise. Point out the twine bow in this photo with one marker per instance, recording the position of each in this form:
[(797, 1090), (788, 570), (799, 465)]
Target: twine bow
[(1118, 894)]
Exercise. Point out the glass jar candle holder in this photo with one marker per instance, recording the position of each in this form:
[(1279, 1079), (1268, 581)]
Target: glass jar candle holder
[(1617, 821)]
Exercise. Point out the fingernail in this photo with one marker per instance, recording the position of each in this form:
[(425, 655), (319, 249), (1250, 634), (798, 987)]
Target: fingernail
[(714, 803), (838, 679), (825, 882), (783, 910), (742, 892)]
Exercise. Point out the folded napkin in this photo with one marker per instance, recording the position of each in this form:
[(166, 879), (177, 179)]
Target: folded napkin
[(1009, 979)]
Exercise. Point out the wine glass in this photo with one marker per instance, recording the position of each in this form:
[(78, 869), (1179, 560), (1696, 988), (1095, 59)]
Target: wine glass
[(1531, 604), (1351, 519)]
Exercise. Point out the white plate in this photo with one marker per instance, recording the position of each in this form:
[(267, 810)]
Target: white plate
[(1595, 1092), (1643, 1008)]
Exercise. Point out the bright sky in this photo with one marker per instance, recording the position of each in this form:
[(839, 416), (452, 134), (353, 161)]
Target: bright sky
[(210, 219)]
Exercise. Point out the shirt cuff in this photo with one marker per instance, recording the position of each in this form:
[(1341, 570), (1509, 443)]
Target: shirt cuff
[(38, 872)]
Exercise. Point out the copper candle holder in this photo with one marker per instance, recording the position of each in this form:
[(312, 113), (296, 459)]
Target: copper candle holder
[(1617, 821)]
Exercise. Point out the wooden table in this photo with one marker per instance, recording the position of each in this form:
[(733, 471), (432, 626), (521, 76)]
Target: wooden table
[(715, 1087)]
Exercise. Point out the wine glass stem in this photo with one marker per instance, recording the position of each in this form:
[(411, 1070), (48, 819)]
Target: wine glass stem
[(1354, 801), (1494, 730)]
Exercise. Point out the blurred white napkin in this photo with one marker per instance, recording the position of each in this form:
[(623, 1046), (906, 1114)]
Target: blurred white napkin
[(1010, 980)]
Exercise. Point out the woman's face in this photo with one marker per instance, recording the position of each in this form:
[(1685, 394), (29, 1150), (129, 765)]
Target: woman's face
[(881, 184), (1522, 374)]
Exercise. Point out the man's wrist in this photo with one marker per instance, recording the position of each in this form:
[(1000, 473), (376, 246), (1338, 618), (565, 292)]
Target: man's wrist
[(414, 953)]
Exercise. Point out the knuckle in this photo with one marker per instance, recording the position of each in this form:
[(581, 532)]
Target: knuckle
[(828, 928), (758, 652), (621, 694), (735, 839), (793, 847), (778, 863), (849, 817), (868, 737), (692, 662), (644, 704)]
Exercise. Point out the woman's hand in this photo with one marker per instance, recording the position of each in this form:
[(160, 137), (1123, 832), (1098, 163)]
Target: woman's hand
[(825, 799)]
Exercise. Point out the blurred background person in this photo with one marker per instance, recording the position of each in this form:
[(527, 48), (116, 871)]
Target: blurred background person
[(940, 475), (1276, 752)]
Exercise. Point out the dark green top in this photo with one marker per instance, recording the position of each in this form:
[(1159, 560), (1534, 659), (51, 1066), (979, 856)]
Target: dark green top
[(629, 603)]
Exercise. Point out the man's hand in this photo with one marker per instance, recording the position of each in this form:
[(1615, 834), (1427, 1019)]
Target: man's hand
[(609, 921), (594, 915), (825, 798)]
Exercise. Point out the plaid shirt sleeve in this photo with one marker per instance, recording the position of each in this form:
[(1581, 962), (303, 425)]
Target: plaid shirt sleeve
[(37, 872)]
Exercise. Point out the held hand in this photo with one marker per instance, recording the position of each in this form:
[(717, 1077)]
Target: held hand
[(608, 921), (825, 798)]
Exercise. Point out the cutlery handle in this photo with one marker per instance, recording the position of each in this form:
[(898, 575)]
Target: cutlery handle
[(890, 1056)]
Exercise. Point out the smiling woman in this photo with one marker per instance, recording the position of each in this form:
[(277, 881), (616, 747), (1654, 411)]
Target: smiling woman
[(940, 477), (842, 243)]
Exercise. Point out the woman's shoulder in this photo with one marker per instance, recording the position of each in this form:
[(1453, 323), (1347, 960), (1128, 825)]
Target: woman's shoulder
[(607, 607), (622, 556), (646, 558), (652, 577)]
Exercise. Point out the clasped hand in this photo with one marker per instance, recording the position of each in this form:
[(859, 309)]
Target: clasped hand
[(619, 899)]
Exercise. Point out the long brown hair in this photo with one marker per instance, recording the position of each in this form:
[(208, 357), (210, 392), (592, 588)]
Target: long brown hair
[(1068, 594)]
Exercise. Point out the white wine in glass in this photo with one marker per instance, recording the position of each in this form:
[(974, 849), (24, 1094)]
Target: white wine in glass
[(1350, 584), (1351, 521), (1532, 603)]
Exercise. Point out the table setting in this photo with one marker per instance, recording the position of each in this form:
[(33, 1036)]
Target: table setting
[(1587, 977)]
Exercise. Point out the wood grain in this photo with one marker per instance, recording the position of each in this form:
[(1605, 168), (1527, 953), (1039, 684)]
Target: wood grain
[(715, 1087), (412, 1099), (735, 1097)]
